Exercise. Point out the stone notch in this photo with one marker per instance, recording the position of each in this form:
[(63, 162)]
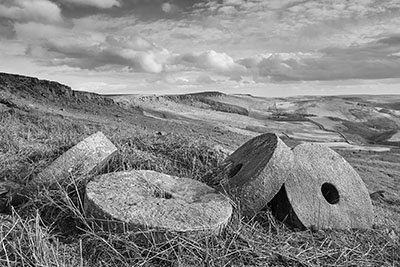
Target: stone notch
[(86, 157), (256, 171), (324, 192), (142, 199)]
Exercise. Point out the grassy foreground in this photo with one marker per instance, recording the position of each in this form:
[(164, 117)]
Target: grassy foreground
[(50, 228)]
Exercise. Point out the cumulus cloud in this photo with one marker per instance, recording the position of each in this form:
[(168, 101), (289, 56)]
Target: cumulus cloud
[(93, 52), (6, 29), (210, 60), (228, 10), (169, 8), (205, 79), (135, 42), (234, 2), (149, 62), (371, 61), (103, 42), (297, 25), (96, 3), (31, 10)]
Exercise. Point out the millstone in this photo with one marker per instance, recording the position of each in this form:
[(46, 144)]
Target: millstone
[(151, 200), (88, 156), (324, 192), (256, 171)]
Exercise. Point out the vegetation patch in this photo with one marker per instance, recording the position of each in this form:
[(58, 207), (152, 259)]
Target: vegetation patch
[(395, 105), (284, 116), (373, 131), (224, 107), (205, 98), (50, 229)]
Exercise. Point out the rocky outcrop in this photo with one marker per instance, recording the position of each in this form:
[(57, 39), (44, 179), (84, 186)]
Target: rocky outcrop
[(29, 87), (208, 100)]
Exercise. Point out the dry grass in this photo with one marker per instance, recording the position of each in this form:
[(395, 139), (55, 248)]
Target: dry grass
[(51, 230)]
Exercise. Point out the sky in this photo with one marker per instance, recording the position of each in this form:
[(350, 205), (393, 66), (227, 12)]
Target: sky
[(259, 47)]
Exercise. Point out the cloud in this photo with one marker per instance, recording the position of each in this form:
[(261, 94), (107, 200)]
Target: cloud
[(135, 42), (391, 40), (257, 41), (299, 25), (375, 60), (205, 79), (209, 60), (169, 8), (96, 3), (6, 29), (31, 10), (234, 2), (55, 46), (149, 62), (227, 10), (108, 56)]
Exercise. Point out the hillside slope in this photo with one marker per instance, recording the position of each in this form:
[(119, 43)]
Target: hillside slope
[(368, 122), (32, 95), (40, 120)]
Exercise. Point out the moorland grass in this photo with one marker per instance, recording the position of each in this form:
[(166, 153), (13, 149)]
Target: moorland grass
[(50, 228)]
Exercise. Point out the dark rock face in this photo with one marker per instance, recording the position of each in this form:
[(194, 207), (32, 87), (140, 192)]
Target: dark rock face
[(24, 87)]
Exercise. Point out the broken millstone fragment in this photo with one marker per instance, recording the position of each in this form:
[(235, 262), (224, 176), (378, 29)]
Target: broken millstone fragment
[(86, 157), (148, 199), (256, 171), (324, 192)]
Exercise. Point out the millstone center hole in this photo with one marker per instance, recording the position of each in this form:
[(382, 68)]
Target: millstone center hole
[(330, 193), (235, 169)]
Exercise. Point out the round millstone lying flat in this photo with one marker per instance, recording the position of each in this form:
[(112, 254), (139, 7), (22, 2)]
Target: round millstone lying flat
[(148, 199), (325, 192), (88, 156), (256, 171)]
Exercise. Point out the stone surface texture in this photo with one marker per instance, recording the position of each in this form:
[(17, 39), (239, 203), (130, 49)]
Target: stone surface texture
[(307, 207), (88, 156), (148, 199), (256, 171)]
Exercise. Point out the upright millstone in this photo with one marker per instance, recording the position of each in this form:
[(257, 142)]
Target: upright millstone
[(137, 200), (324, 192), (88, 156), (256, 171)]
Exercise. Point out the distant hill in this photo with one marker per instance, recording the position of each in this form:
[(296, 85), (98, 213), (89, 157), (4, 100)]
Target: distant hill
[(341, 121), (47, 91)]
